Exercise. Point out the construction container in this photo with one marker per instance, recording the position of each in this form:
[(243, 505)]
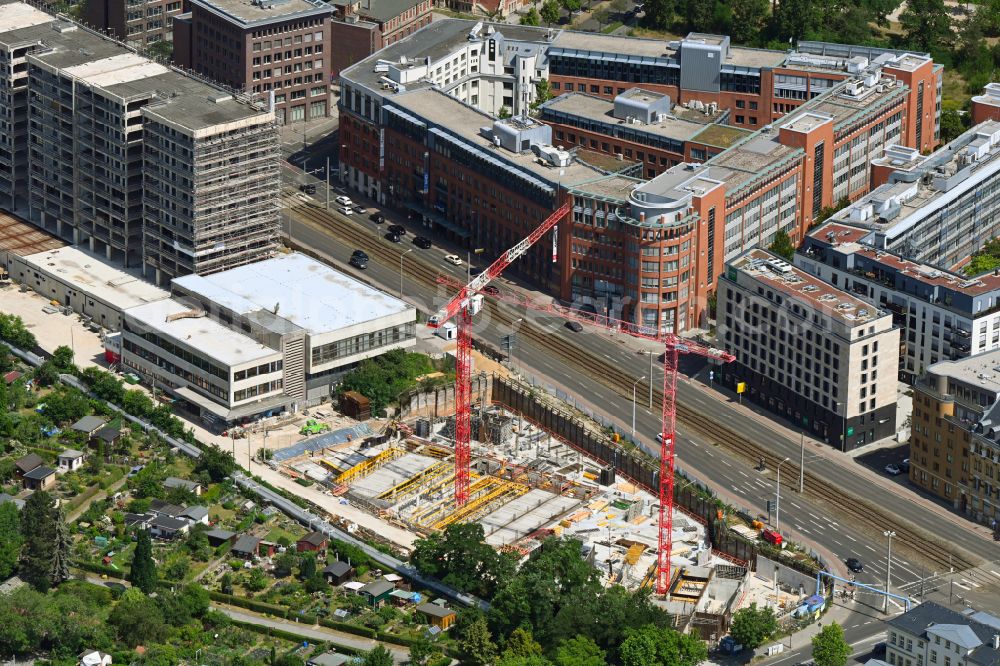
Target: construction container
[(355, 405)]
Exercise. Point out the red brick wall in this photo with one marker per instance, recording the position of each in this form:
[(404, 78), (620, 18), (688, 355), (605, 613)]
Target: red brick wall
[(353, 42)]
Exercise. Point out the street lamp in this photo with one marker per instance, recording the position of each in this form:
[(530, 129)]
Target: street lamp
[(401, 255), (633, 404), (888, 534), (510, 343), (468, 262), (777, 498), (843, 429)]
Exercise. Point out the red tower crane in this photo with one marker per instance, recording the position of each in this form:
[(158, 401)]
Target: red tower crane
[(673, 346), (465, 304)]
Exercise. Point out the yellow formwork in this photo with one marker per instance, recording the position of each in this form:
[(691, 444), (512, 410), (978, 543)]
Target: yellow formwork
[(501, 490), (426, 517), (368, 466), (415, 482)]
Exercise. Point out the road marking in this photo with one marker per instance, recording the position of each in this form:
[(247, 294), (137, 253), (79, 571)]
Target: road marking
[(967, 589), (796, 505), (744, 473), (814, 516), (995, 573), (870, 548), (835, 524), (761, 483), (969, 582), (851, 538), (818, 526), (729, 464)]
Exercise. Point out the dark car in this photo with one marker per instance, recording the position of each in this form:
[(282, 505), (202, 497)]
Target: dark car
[(905, 465), (308, 188), (360, 254), (377, 218), (490, 290), (396, 229), (359, 209), (359, 263), (574, 326), (393, 238), (854, 564), (422, 242)]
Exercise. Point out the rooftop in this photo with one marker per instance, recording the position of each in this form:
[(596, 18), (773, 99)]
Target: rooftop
[(246, 544), (434, 610), (18, 15), (749, 160), (119, 68), (465, 122), (39, 473), (377, 588), (90, 273), (658, 48), (808, 290), (990, 96), (384, 10), (206, 335), (72, 454), (613, 188), (89, 424), (295, 291), (23, 239), (851, 100), (981, 370), (247, 13), (846, 240), (595, 108)]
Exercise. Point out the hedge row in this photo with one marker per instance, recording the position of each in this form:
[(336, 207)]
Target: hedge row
[(75, 503), (348, 628), (249, 604), (389, 638), (291, 636)]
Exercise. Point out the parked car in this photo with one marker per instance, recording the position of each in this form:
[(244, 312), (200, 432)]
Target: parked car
[(854, 564), (422, 242), (308, 188), (344, 201), (893, 469), (574, 326), (377, 218), (905, 465), (359, 263), (346, 210), (453, 259), (393, 238), (396, 229), (359, 209)]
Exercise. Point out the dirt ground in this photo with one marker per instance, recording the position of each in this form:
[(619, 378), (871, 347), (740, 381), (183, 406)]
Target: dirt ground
[(53, 330)]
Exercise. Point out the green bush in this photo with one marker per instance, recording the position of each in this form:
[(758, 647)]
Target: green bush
[(291, 636), (93, 567), (249, 604), (348, 628)]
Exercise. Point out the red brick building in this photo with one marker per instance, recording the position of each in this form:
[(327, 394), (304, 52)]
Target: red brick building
[(278, 49), (986, 106), (361, 28), (138, 23)]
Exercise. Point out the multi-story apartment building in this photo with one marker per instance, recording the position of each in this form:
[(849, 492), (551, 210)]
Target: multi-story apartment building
[(936, 209), (986, 106), (954, 450), (932, 635), (138, 23), (258, 339), (820, 357), (361, 28), (278, 50), (642, 126), (752, 183), (91, 104), (942, 315)]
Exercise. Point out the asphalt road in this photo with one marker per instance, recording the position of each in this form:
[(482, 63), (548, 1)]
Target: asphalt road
[(697, 458)]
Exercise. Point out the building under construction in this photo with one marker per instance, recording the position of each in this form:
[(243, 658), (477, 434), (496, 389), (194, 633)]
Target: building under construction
[(138, 161)]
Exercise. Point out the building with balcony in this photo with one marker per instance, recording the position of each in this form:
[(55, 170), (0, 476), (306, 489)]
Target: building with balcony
[(813, 354), (935, 209), (259, 339), (108, 131), (941, 315), (277, 50), (138, 23), (955, 435)]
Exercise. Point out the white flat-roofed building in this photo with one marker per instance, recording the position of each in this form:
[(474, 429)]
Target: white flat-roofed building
[(265, 337), (86, 282), (814, 354)]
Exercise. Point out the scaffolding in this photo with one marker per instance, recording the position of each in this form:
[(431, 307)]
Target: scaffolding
[(366, 467)]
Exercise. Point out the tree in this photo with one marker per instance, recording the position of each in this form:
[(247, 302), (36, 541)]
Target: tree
[(289, 659), (829, 646), (283, 564), (62, 358), (143, 571), (46, 374), (378, 656), (533, 660), (137, 619), (659, 14), (571, 5), (749, 20), (926, 24), (521, 643), (38, 529), (792, 19), (476, 647), (986, 259), (256, 580), (61, 547), (952, 125), (307, 566), (162, 50), (13, 331), (550, 12), (10, 539), (698, 14), (460, 557), (579, 651), (421, 650), (602, 16), (218, 464), (752, 626), (532, 17), (66, 405), (543, 93), (782, 246), (384, 378), (650, 645)]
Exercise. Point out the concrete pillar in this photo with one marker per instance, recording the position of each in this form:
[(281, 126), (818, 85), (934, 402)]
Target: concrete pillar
[(107, 251)]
